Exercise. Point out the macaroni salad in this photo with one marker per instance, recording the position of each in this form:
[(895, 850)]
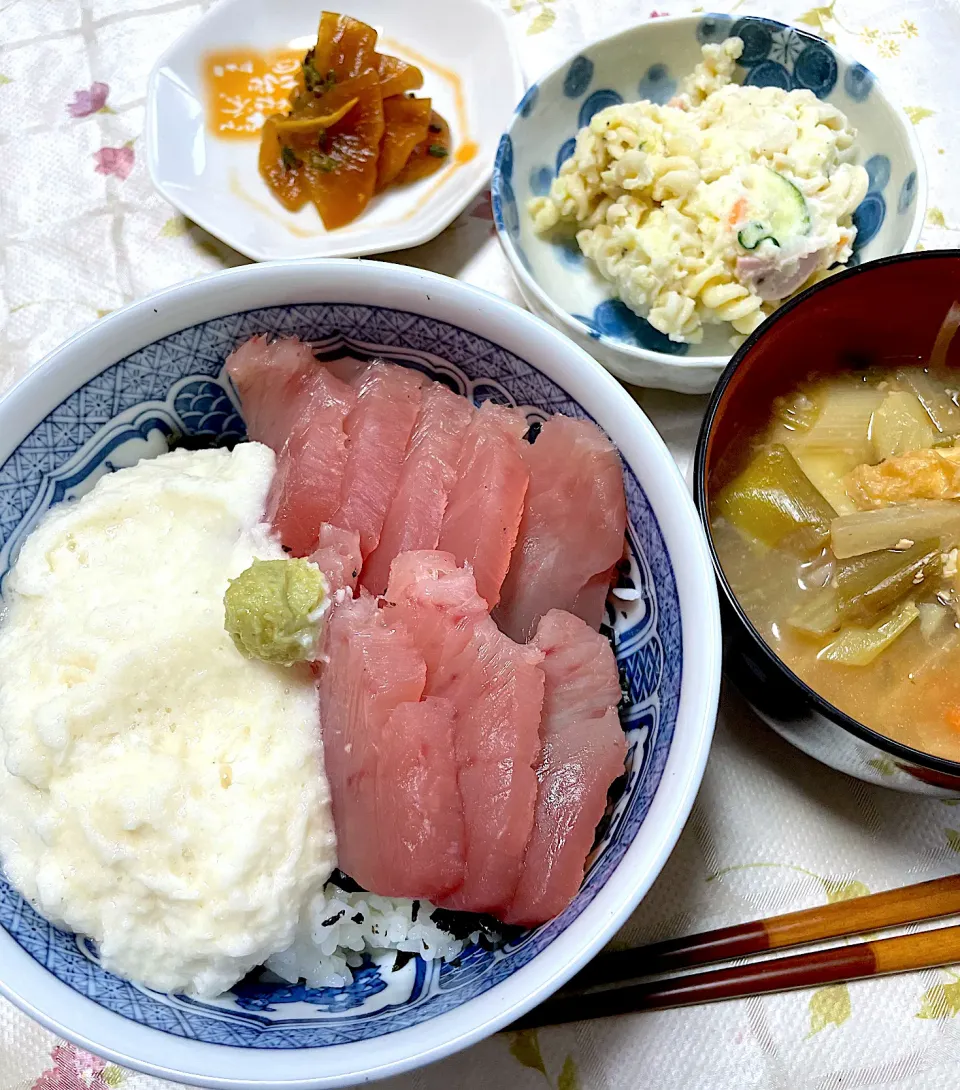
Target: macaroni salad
[(715, 207)]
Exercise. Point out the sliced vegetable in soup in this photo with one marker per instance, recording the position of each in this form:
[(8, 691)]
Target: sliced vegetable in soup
[(838, 531)]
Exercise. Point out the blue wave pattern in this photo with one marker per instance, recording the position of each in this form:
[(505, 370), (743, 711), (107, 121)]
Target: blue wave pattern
[(178, 384), (206, 410), (254, 993)]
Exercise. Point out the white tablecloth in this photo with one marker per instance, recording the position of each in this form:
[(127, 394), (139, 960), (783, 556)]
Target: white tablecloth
[(82, 233)]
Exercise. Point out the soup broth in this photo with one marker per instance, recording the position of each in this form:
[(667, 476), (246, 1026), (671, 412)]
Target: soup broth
[(837, 525)]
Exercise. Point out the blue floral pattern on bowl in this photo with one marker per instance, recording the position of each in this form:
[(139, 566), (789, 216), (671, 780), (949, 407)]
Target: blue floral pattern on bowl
[(648, 62), (176, 388)]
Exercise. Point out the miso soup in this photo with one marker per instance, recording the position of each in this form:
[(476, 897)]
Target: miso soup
[(838, 527)]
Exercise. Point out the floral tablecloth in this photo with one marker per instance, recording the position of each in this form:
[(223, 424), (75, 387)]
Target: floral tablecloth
[(82, 232)]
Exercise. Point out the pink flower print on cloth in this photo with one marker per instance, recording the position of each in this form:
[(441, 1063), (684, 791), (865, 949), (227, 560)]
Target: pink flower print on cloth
[(115, 161), (88, 102), (74, 1069)]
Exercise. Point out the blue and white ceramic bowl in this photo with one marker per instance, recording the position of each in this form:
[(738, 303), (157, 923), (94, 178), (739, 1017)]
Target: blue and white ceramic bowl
[(117, 393), (648, 62)]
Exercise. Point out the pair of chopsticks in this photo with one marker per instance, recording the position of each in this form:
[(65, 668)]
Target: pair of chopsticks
[(608, 985)]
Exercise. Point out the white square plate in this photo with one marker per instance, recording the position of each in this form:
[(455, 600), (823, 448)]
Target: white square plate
[(470, 72)]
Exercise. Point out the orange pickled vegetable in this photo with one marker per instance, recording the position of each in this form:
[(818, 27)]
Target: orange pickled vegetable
[(430, 154), (280, 168), (396, 76), (313, 123), (345, 46), (342, 182), (406, 122), (353, 126)]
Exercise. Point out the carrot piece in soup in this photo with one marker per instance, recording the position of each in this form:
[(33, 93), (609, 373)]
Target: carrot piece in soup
[(406, 121)]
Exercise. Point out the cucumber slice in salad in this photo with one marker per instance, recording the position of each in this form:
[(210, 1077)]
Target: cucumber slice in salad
[(753, 234), (783, 211)]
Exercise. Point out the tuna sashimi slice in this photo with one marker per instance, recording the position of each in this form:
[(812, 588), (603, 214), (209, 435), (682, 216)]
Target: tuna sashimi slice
[(378, 430), (485, 506), (582, 753), (311, 463), (269, 377), (429, 472), (590, 602), (417, 792), (496, 688), (370, 690), (572, 529), (337, 555)]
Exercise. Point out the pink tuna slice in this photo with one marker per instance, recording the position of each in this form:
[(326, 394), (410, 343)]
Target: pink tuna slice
[(269, 377), (582, 753), (775, 276), (429, 472), (485, 506), (572, 531), (388, 758), (425, 845), (496, 688), (337, 555), (312, 462), (378, 430)]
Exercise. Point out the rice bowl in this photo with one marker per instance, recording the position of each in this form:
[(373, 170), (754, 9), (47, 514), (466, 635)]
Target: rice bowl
[(415, 1014)]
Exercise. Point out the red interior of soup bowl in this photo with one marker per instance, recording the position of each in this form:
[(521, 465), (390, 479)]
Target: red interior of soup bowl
[(883, 312)]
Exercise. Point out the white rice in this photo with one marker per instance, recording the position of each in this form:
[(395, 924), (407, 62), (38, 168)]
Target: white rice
[(338, 928)]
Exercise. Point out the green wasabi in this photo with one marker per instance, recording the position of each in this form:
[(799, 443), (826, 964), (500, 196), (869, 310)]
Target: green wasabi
[(274, 610)]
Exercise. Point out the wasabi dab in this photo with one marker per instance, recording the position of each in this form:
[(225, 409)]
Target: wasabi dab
[(275, 609)]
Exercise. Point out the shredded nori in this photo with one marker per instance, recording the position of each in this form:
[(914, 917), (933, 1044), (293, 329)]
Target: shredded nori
[(403, 957), (533, 432), (625, 699), (461, 925), (345, 882), (333, 919), (614, 793), (204, 441)]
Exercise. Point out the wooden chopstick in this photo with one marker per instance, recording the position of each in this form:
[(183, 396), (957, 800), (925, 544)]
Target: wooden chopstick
[(874, 912), (902, 954)]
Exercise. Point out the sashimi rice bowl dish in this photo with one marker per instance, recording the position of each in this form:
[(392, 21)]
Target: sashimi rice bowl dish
[(309, 683)]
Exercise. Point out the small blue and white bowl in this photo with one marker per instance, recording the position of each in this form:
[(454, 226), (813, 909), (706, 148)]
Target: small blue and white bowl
[(648, 62), (117, 393)]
